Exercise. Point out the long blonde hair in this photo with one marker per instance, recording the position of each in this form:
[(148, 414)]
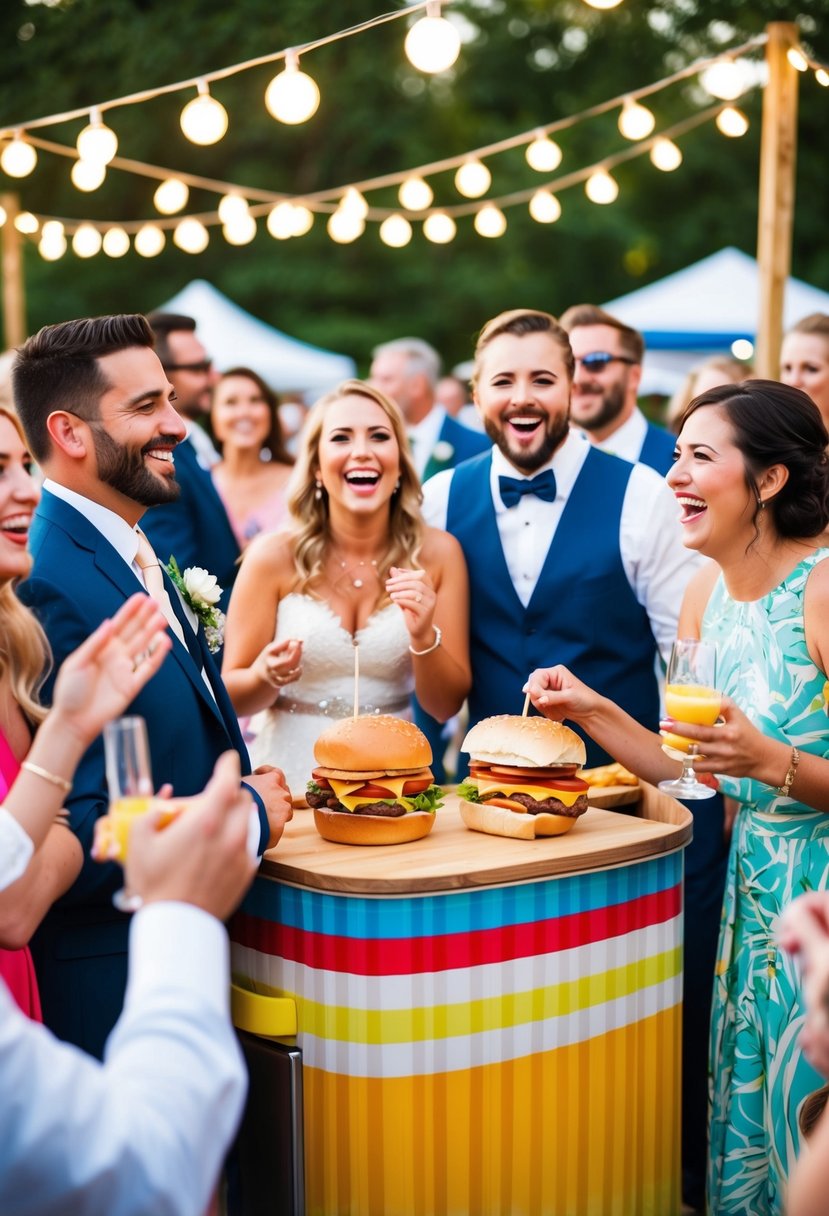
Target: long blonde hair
[(312, 533), (25, 657)]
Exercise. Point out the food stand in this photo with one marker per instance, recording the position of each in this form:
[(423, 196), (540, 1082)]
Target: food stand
[(486, 1025)]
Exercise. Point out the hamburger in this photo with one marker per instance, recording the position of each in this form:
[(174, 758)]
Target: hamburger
[(523, 778), (373, 783)]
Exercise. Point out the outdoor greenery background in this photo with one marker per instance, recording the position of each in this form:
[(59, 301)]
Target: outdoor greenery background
[(526, 62)]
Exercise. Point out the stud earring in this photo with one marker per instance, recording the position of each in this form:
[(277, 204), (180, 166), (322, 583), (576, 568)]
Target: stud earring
[(318, 491), (397, 485)]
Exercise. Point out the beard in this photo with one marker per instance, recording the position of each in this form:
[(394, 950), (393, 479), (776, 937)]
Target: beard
[(123, 468), (556, 430), (613, 400)]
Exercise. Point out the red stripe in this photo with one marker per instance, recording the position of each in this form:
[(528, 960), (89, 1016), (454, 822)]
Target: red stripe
[(410, 956)]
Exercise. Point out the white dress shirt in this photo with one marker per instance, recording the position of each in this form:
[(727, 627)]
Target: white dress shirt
[(16, 849), (206, 453), (423, 437), (146, 1131), (656, 563), (626, 441)]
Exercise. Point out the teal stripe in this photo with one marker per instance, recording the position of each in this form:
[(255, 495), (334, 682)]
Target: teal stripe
[(360, 917)]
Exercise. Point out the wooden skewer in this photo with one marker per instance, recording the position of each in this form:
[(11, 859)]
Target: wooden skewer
[(525, 710), (356, 680)]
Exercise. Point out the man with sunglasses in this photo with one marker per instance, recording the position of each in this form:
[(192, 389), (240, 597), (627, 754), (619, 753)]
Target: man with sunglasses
[(608, 372), (195, 528)]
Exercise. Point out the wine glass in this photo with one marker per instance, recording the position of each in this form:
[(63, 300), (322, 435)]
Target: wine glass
[(690, 696), (129, 778)]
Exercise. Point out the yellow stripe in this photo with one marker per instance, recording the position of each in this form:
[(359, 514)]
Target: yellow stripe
[(377, 1026), (591, 1129)]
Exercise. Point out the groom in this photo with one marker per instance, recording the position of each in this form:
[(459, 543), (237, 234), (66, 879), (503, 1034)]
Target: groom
[(96, 408)]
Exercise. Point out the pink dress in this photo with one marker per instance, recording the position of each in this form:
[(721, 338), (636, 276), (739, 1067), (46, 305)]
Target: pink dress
[(16, 966)]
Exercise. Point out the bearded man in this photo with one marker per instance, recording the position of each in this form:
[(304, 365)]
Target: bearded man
[(96, 408)]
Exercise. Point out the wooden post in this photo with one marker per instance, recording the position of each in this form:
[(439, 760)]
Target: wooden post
[(14, 306), (778, 149)]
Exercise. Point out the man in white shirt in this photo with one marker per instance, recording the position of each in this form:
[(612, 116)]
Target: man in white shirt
[(606, 381), (572, 553), (147, 1130)]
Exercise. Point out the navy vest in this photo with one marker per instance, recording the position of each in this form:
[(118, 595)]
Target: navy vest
[(583, 612), (658, 449)]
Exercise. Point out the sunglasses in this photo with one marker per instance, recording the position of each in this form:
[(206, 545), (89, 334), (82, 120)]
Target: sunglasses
[(203, 365), (598, 360)]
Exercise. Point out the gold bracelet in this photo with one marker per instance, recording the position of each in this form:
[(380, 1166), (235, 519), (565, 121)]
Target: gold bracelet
[(783, 790), (44, 773), (418, 654)]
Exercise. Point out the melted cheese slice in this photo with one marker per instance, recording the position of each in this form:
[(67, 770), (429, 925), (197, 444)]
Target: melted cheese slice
[(344, 788), (539, 792)]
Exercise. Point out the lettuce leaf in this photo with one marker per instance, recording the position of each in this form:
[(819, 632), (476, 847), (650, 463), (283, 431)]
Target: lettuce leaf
[(468, 792)]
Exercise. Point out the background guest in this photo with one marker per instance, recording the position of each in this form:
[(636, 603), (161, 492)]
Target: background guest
[(752, 479), (358, 568), (804, 359), (720, 369), (252, 474)]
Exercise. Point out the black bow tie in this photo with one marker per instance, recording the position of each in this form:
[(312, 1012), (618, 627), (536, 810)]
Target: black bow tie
[(513, 489)]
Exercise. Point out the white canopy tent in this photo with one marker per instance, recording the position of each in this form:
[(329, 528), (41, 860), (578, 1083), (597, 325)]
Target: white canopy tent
[(701, 310), (234, 337)]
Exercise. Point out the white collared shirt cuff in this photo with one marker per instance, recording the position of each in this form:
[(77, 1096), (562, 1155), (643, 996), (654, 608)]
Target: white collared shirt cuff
[(16, 849), (170, 945)]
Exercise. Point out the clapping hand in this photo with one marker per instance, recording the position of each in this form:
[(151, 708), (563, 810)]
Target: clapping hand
[(106, 673), (412, 591), (279, 663)]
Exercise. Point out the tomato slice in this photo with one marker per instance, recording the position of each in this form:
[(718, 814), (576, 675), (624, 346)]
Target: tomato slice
[(375, 789), (508, 770)]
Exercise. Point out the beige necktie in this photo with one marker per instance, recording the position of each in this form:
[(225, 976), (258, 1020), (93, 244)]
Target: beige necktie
[(150, 567)]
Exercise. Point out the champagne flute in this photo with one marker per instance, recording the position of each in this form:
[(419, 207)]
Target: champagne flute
[(690, 696), (129, 778)]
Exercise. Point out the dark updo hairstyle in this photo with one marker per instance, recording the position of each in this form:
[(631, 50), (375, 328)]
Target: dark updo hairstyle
[(775, 423)]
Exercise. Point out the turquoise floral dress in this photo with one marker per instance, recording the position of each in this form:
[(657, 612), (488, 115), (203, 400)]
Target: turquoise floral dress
[(780, 849)]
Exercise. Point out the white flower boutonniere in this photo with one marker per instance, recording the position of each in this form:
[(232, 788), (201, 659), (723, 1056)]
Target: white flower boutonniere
[(443, 451), (201, 592)]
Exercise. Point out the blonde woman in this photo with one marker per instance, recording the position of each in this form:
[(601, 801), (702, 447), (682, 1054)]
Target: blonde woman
[(358, 569)]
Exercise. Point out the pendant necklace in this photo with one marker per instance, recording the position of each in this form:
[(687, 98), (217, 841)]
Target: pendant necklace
[(358, 571)]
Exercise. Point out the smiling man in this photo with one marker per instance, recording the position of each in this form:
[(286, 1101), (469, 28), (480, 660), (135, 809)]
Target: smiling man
[(608, 371), (96, 407)]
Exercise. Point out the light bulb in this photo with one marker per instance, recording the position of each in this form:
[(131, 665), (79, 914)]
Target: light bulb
[(635, 121), (603, 4), (797, 59), (432, 44), (97, 143), (354, 202), (490, 221), (545, 207), (543, 154), (439, 228), (473, 179), (395, 231), (3, 216), (18, 158), (303, 219), (52, 230), (732, 122), (171, 196), (742, 348), (665, 155), (281, 221), (116, 242), (723, 80), (191, 235), (149, 241), (51, 250), (26, 223), (822, 77), (241, 230), (87, 241), (415, 194), (232, 207), (600, 187), (88, 175), (345, 226), (292, 96), (204, 119)]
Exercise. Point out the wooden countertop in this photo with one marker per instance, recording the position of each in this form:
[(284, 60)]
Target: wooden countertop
[(451, 857)]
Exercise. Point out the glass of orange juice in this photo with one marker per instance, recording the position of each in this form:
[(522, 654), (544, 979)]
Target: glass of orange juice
[(690, 696), (129, 778)]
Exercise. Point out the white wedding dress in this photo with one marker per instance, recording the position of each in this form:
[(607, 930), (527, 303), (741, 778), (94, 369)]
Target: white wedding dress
[(286, 733)]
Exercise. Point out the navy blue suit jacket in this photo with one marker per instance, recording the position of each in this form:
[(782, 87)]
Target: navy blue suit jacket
[(464, 443), (77, 580), (195, 529)]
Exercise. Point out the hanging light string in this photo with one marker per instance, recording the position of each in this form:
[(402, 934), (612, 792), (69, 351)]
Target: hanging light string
[(218, 74), (326, 200)]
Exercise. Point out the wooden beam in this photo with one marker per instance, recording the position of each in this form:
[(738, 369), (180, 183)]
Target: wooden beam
[(11, 246), (778, 151)]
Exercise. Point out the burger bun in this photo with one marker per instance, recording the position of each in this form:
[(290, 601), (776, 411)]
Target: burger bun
[(524, 742), (343, 827), (500, 821), (374, 743)]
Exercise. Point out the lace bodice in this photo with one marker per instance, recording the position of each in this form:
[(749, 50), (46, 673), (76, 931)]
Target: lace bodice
[(285, 734)]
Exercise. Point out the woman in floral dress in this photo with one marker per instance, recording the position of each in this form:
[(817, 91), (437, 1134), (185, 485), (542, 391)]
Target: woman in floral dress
[(752, 481)]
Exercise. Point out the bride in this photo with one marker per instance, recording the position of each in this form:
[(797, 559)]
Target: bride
[(358, 581)]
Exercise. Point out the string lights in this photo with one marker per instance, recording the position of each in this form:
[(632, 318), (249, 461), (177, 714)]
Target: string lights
[(18, 158), (432, 44), (292, 96), (204, 119)]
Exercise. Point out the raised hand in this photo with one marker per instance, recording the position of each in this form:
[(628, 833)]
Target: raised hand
[(413, 592)]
